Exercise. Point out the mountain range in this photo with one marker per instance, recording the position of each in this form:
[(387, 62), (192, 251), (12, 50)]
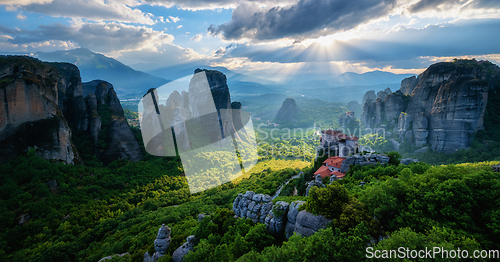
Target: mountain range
[(127, 81), (131, 83)]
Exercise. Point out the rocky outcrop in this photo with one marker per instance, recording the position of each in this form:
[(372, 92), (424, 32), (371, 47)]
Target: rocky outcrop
[(287, 112), (408, 84), (383, 94), (369, 96), (293, 211), (386, 109), (407, 161), (363, 160), (204, 108), (445, 108), (162, 242), (276, 219), (317, 182), (347, 119), (29, 113), (86, 116), (253, 206), (112, 256), (121, 141), (180, 252), (395, 144), (280, 218), (307, 224), (43, 103)]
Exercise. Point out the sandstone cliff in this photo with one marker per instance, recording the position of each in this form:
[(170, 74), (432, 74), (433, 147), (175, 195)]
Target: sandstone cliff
[(287, 112), (29, 113), (444, 109), (43, 104), (204, 108)]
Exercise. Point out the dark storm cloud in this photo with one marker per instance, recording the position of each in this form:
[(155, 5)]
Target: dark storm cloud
[(428, 5), (305, 19), (466, 37)]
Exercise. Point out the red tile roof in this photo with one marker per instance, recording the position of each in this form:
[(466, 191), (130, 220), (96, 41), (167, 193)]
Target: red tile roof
[(323, 171), (338, 174), (334, 161)]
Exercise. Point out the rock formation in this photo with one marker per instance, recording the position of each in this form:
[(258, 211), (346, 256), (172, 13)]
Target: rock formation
[(408, 84), (354, 106), (293, 211), (307, 224), (121, 141), (280, 218), (363, 160), (277, 218), (287, 112), (162, 242), (43, 103), (444, 109), (199, 109), (369, 96), (112, 256), (180, 252), (29, 113), (317, 182), (253, 206), (407, 161), (346, 120)]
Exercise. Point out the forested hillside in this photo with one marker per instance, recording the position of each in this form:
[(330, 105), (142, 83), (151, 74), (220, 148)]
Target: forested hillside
[(93, 212)]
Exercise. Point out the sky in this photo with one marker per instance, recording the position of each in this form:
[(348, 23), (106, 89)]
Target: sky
[(260, 37)]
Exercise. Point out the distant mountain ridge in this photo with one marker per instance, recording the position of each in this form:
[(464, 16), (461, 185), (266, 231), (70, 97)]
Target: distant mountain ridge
[(127, 81)]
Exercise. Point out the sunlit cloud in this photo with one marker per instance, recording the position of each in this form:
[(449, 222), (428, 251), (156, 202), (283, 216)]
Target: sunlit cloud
[(94, 10), (197, 37), (174, 19)]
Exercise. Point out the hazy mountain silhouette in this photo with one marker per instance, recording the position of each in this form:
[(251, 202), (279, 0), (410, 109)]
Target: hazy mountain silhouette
[(126, 81)]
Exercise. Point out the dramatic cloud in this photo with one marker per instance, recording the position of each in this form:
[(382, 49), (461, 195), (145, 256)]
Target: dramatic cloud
[(23, 2), (464, 37), (99, 37), (95, 10), (305, 19), (216, 4), (443, 5)]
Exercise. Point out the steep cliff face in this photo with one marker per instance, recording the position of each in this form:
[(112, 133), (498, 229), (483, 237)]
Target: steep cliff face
[(29, 111), (205, 108), (445, 108), (408, 84), (121, 142), (287, 112), (43, 102)]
